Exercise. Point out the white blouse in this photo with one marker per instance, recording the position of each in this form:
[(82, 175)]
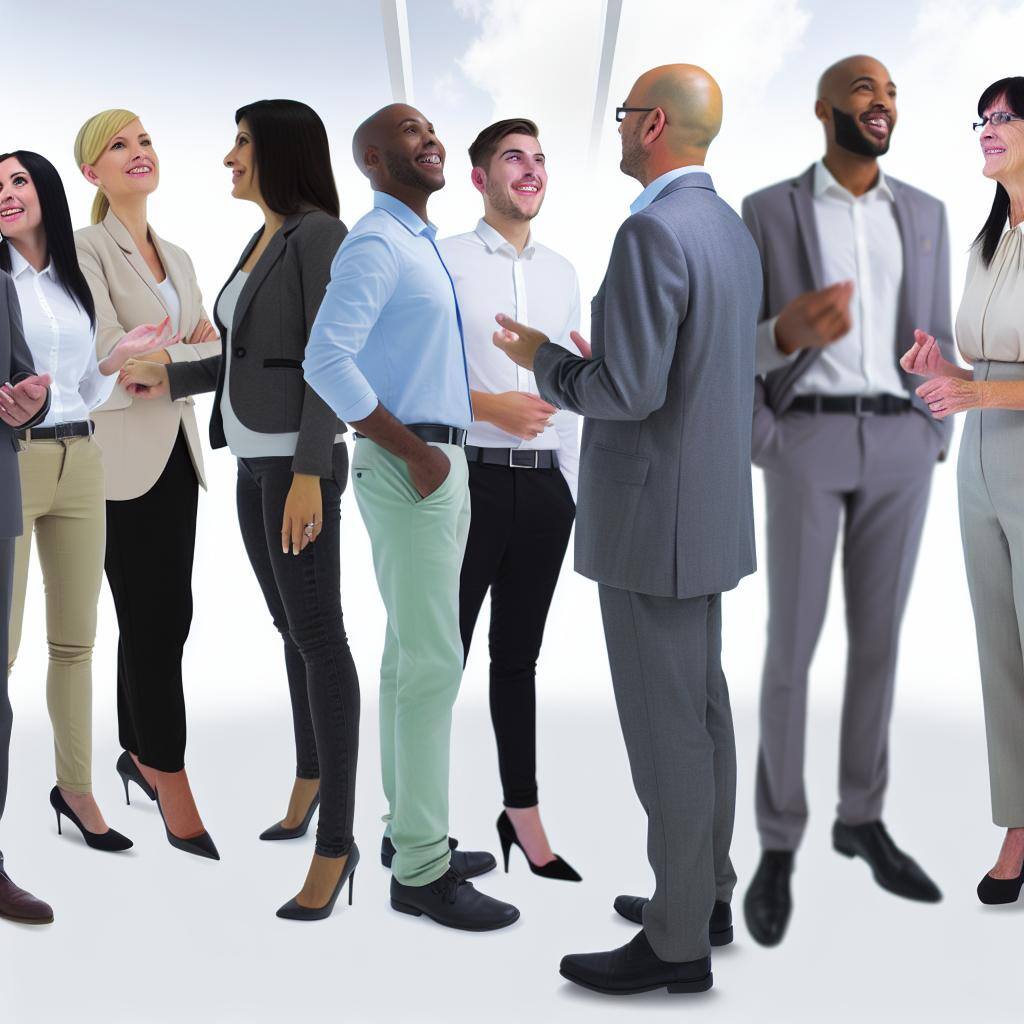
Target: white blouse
[(62, 343)]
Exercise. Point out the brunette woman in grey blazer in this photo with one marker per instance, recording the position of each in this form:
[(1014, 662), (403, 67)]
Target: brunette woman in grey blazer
[(292, 461)]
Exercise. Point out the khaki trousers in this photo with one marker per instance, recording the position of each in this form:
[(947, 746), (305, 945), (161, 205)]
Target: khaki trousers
[(63, 504)]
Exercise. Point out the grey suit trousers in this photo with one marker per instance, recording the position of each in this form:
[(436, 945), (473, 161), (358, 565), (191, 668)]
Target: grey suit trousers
[(6, 590), (666, 663), (870, 477), (990, 479)]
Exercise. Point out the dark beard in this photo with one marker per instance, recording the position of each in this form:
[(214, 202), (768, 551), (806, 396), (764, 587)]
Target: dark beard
[(852, 139), (404, 172)]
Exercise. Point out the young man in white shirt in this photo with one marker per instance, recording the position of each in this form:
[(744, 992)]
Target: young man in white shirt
[(523, 457)]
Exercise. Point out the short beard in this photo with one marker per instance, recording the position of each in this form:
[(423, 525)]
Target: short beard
[(851, 138), (404, 172), (634, 157), (503, 205)]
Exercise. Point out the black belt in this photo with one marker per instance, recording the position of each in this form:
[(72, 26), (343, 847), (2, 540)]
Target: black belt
[(514, 458), (858, 405), (436, 432), (80, 428)]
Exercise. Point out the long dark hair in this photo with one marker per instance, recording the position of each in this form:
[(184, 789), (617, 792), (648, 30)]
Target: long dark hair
[(989, 235), (60, 236), (292, 156)]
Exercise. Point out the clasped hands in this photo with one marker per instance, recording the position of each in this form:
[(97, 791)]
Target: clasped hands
[(20, 402), (948, 388)]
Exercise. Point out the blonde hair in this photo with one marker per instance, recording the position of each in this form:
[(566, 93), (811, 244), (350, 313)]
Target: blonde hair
[(90, 142)]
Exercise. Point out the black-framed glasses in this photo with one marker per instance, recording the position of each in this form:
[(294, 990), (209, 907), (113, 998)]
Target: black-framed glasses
[(621, 112), (999, 117)]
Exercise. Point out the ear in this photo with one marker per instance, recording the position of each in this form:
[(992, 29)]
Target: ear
[(90, 175), (655, 126), (822, 111), (479, 179)]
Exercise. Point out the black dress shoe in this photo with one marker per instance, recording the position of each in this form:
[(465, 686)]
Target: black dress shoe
[(768, 903), (635, 968), (719, 925), (468, 863), (994, 891), (18, 905), (453, 902), (893, 870)]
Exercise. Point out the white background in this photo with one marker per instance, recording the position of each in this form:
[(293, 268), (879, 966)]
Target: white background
[(157, 935)]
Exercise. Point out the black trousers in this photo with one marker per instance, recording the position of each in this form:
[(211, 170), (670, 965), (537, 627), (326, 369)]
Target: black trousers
[(304, 598), (520, 526), (151, 543)]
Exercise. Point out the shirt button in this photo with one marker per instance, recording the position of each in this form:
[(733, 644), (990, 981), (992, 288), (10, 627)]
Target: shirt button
[(239, 352)]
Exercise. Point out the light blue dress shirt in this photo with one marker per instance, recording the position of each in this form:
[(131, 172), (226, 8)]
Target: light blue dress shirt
[(389, 330), (650, 193)]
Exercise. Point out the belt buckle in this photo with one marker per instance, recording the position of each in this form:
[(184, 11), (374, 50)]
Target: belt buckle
[(532, 464), (858, 407), (62, 431)]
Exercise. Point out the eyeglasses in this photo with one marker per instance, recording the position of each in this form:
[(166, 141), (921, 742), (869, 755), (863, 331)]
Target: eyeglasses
[(999, 117), (621, 112)]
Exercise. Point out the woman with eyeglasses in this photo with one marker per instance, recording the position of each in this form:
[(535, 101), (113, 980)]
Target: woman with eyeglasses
[(990, 472)]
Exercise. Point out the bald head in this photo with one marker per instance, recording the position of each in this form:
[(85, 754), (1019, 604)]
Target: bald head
[(690, 98), (396, 148), (378, 128), (856, 105), (837, 79)]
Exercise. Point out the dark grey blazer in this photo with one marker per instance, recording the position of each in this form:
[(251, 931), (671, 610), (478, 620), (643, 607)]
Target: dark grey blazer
[(665, 493), (15, 364), (781, 219), (271, 326)]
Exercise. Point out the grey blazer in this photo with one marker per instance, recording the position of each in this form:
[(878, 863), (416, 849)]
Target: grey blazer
[(665, 492), (15, 364), (781, 219), (270, 328)]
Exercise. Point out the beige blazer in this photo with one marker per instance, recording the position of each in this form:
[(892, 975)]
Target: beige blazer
[(137, 436)]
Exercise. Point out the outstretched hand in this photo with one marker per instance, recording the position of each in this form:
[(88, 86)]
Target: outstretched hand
[(925, 359), (141, 341)]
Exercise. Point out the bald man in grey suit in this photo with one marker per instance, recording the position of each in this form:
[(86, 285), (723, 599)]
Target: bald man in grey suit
[(664, 522), (853, 262)]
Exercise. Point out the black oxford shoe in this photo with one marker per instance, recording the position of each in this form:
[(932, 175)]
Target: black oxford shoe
[(635, 968), (768, 903), (719, 926), (453, 902), (893, 870)]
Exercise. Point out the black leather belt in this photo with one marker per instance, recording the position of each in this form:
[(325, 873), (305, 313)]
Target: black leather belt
[(80, 428), (515, 458), (436, 432), (858, 405)]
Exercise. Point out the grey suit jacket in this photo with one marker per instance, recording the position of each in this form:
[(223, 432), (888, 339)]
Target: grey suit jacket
[(781, 219), (269, 331), (15, 364), (665, 492)]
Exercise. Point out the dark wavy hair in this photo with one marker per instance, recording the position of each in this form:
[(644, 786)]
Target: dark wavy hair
[(989, 235), (292, 156), (60, 236), (485, 145)]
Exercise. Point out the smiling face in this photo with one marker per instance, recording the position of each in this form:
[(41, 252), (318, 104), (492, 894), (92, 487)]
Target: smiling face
[(411, 152), (242, 163), (128, 166), (1002, 145), (516, 177), (20, 211), (858, 106)]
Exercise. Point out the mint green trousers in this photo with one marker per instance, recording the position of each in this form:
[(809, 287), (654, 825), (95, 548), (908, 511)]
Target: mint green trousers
[(418, 545)]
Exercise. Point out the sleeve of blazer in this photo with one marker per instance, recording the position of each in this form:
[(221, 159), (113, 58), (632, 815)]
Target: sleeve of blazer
[(941, 326), (194, 376), (646, 294), (768, 355), (21, 358), (318, 425)]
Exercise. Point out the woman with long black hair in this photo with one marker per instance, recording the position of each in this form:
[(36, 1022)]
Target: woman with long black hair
[(61, 466), (292, 462)]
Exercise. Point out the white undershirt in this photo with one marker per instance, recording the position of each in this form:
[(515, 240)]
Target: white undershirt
[(172, 303)]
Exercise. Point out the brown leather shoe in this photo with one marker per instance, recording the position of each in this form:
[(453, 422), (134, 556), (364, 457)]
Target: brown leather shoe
[(21, 906)]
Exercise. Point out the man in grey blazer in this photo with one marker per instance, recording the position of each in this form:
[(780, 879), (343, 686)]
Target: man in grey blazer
[(24, 401), (664, 521), (853, 260)]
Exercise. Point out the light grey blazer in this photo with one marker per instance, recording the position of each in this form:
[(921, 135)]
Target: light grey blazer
[(781, 219), (665, 494)]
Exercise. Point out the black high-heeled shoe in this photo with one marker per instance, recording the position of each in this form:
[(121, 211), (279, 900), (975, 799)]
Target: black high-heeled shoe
[(129, 772), (557, 868), (279, 831), (201, 845), (109, 841), (294, 911), (993, 891)]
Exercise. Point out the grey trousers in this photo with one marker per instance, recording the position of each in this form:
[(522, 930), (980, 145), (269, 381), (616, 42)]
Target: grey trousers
[(6, 589), (673, 703), (868, 477), (990, 478)]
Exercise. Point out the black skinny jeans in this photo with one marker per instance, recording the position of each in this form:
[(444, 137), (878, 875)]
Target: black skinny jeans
[(520, 526), (303, 595), (151, 542)]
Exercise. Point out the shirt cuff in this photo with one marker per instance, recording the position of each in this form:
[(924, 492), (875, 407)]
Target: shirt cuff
[(357, 410), (768, 355)]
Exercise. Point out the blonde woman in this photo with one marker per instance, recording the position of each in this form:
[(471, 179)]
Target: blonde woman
[(153, 463)]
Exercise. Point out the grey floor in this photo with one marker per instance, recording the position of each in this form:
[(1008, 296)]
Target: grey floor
[(157, 936)]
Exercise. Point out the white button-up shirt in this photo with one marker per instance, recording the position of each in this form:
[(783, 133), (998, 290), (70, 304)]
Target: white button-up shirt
[(536, 287), (62, 343), (860, 242)]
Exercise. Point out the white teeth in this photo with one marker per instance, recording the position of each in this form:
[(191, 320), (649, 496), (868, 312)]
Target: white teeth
[(12, 211), (526, 188), (432, 159)]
